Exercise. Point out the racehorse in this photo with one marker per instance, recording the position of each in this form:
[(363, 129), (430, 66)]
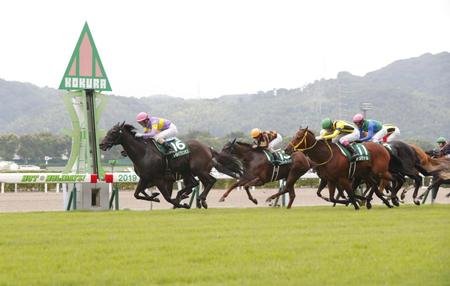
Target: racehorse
[(333, 166), (257, 170), (408, 166), (439, 168), (149, 165)]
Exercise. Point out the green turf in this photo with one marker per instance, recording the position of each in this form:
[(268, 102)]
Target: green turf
[(303, 246)]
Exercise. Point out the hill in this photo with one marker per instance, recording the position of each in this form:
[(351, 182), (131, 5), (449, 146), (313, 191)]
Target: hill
[(411, 93)]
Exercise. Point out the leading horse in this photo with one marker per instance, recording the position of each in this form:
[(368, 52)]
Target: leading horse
[(149, 165)]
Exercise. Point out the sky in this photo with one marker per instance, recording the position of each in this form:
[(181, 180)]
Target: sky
[(205, 49)]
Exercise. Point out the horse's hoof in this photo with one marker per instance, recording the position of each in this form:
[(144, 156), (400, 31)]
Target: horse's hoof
[(221, 200), (186, 206), (204, 204), (395, 202), (368, 206), (255, 201), (417, 202), (402, 197)]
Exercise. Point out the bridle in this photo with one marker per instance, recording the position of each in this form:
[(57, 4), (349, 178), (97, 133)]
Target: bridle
[(297, 147)]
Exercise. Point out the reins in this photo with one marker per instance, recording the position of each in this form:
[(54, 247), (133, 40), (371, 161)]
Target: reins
[(296, 148)]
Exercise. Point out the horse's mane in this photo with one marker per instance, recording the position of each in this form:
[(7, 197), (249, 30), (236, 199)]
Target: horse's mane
[(130, 128), (309, 131), (245, 144)]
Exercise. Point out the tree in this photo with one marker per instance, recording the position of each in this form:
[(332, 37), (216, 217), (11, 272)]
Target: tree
[(28, 147), (8, 146)]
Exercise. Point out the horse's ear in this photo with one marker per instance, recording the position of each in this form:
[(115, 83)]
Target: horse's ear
[(123, 124), (306, 129), (234, 141)]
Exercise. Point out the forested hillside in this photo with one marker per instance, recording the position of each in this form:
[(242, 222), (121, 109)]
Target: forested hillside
[(412, 93)]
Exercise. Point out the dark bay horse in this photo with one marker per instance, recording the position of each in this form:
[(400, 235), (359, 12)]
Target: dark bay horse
[(333, 167), (149, 165), (404, 162), (257, 170)]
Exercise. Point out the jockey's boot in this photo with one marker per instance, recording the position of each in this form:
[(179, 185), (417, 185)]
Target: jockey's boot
[(353, 154), (169, 149)]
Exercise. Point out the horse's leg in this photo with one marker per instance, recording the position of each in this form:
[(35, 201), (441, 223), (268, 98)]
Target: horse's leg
[(293, 176), (417, 185), (189, 183), (332, 189), (276, 195), (322, 184), (233, 186), (399, 181), (369, 196), (249, 195), (379, 192), (347, 185), (140, 193), (208, 182), (290, 182), (435, 183), (162, 186)]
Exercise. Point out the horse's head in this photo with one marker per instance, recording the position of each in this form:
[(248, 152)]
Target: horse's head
[(230, 147), (115, 135), (302, 140)]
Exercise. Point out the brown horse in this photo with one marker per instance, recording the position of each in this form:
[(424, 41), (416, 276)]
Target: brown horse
[(258, 170), (438, 168), (334, 167)]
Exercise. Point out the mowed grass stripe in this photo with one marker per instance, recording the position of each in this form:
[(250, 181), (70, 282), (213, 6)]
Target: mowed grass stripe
[(263, 246)]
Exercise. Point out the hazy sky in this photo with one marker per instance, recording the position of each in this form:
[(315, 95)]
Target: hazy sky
[(212, 48)]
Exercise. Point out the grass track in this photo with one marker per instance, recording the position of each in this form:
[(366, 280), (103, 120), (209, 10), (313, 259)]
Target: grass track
[(263, 246)]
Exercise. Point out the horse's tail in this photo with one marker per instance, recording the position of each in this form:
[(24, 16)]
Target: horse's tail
[(227, 164)]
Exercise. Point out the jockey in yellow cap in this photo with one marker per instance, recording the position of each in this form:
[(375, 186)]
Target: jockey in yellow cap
[(265, 139)]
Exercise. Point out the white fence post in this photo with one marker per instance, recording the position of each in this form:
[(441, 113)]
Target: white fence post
[(3, 188), (64, 191)]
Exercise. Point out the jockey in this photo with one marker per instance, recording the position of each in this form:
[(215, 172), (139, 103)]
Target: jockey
[(392, 132), (444, 147), (340, 131), (376, 132), (157, 128), (265, 139)]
